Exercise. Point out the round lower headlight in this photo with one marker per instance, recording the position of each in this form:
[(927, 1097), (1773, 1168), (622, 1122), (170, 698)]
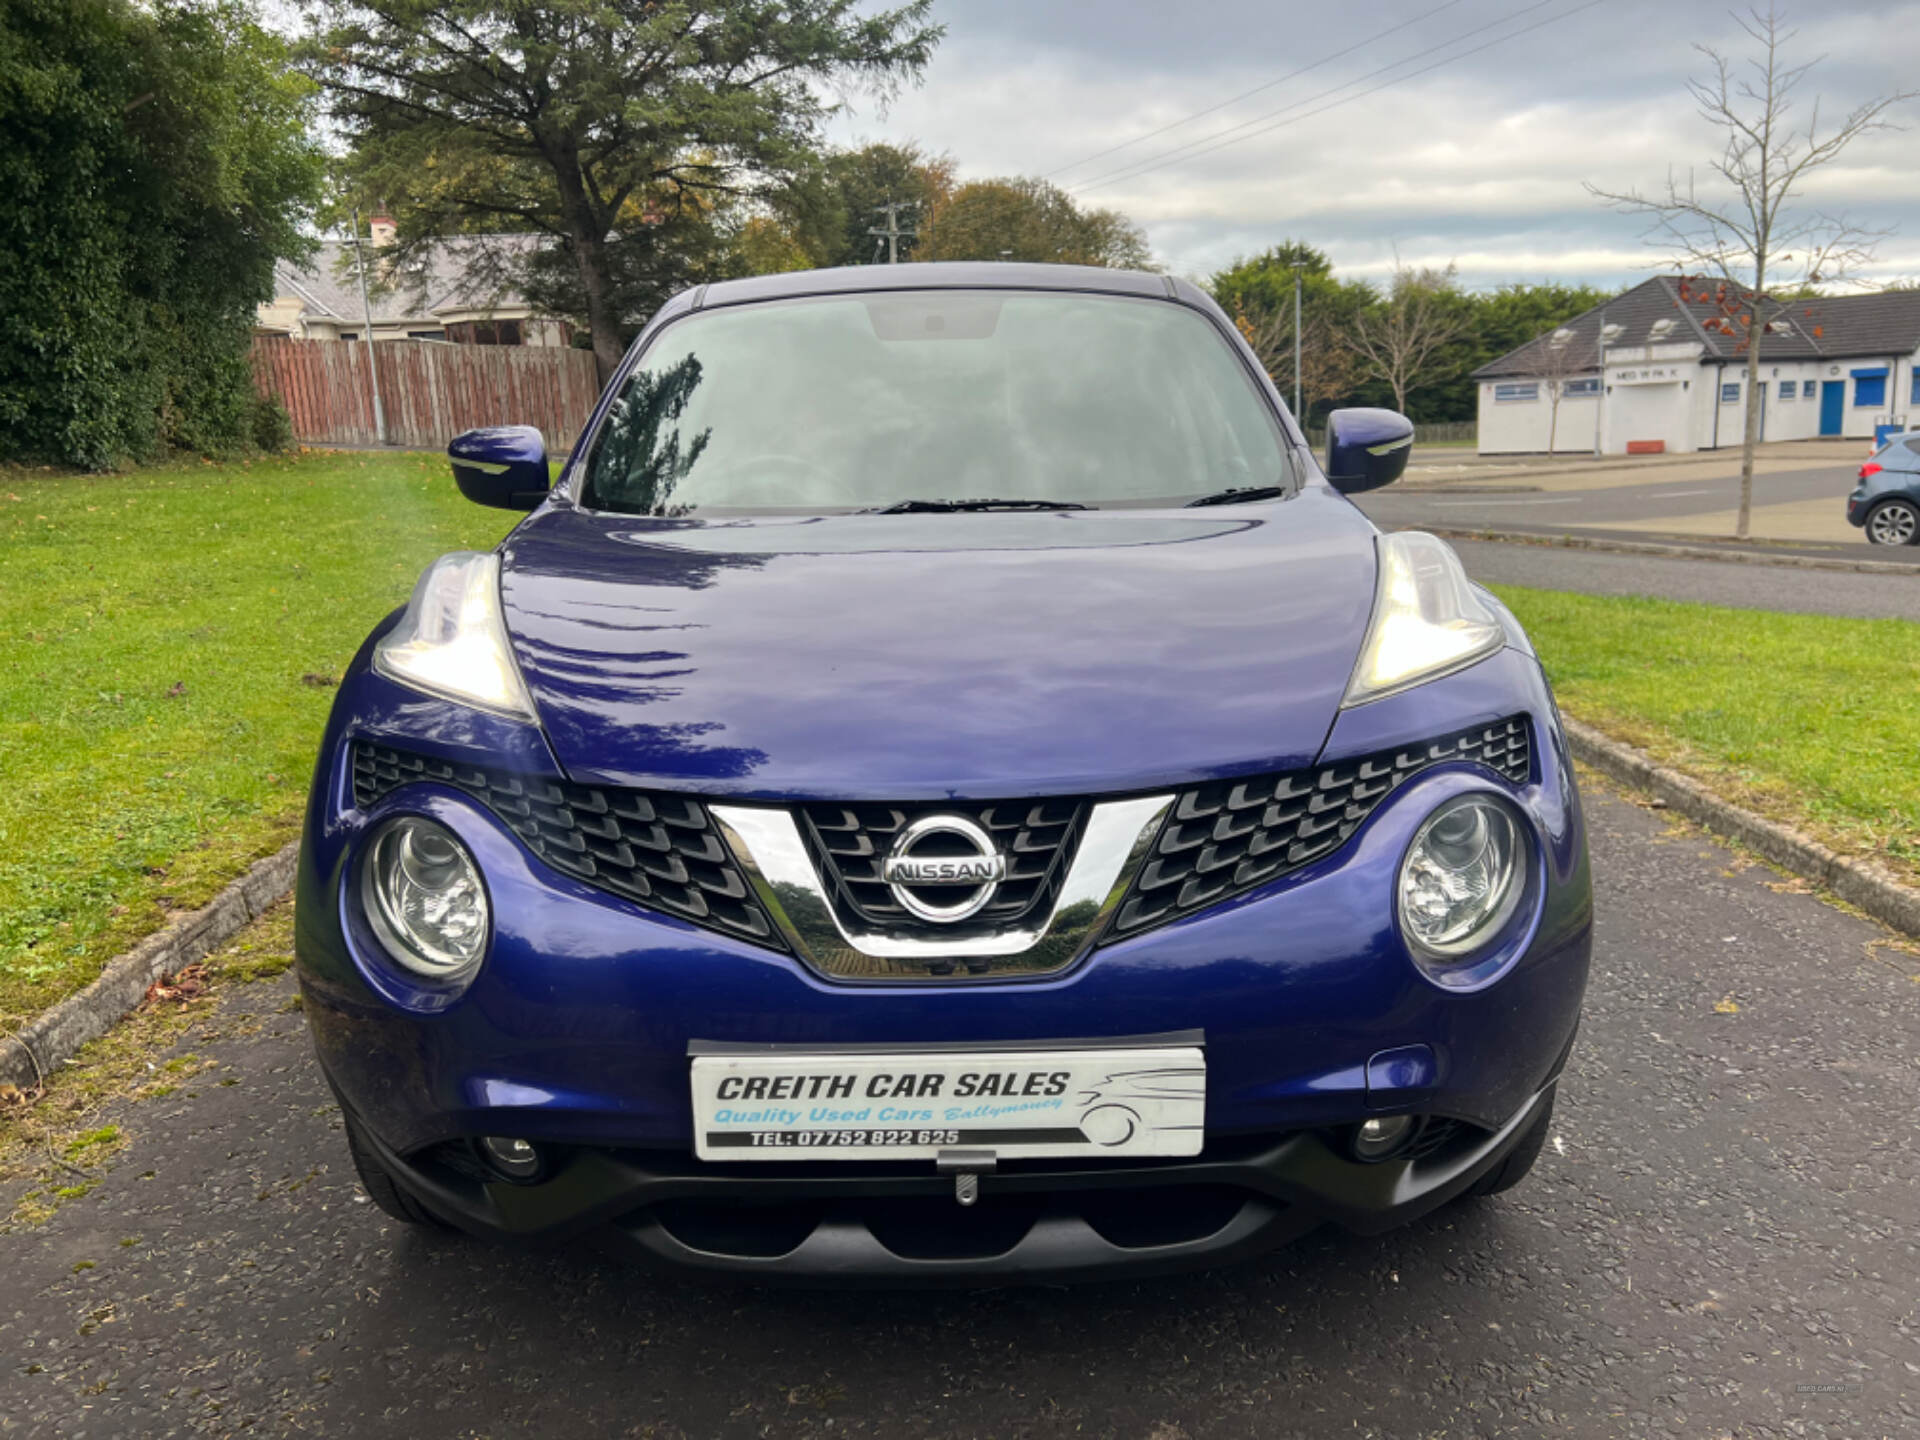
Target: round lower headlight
[(1462, 877), (423, 895)]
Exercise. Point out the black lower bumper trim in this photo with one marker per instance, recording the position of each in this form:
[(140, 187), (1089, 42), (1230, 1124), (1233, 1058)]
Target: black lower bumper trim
[(848, 1223)]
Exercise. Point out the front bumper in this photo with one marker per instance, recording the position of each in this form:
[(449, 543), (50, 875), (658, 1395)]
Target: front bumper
[(1033, 1222), (575, 1033)]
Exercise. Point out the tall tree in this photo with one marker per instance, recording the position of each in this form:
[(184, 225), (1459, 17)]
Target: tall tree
[(612, 126), (863, 180), (156, 161), (1747, 228), (1258, 293), (1410, 338), (1031, 220)]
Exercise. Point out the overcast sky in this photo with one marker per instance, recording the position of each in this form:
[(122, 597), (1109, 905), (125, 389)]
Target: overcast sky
[(1478, 161)]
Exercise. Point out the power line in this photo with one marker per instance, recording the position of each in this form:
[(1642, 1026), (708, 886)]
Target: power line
[(1371, 39), (1221, 139), (1205, 144)]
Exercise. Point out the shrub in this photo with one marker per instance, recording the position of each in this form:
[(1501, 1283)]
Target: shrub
[(155, 161)]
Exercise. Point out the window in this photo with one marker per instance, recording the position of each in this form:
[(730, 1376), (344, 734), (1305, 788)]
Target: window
[(1869, 387), (1914, 445), (1786, 389), (485, 332), (1517, 391), (1611, 332), (1915, 396), (842, 402), (1661, 329), (1561, 338), (1573, 389), (426, 334), (1730, 394)]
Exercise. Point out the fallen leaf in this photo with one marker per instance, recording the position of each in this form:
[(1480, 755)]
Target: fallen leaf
[(186, 986), (318, 682), (1726, 1006), (178, 688)]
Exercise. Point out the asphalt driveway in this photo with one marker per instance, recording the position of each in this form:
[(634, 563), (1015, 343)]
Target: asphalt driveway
[(1723, 1239)]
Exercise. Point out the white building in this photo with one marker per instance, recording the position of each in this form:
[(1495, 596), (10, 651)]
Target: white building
[(1664, 368)]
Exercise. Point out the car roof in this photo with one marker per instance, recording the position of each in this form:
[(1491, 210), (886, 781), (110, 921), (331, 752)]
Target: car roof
[(939, 275)]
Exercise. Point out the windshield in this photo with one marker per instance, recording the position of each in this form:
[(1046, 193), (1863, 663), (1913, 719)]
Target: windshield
[(865, 401)]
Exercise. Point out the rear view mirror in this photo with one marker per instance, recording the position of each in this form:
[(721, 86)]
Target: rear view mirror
[(504, 466), (1367, 448)]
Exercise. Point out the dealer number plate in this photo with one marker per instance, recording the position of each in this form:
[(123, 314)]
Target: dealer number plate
[(904, 1107)]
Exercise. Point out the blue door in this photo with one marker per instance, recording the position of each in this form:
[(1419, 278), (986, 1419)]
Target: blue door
[(1833, 403)]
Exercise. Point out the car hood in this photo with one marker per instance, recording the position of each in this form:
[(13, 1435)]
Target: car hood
[(963, 656)]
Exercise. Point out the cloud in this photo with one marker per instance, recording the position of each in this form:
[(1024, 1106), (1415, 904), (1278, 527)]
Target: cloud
[(1479, 162)]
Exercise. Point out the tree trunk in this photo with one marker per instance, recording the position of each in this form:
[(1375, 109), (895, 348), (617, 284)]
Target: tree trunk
[(590, 256), (602, 323), (1756, 329)]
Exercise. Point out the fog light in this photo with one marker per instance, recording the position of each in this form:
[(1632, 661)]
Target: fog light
[(1380, 1137), (514, 1159)]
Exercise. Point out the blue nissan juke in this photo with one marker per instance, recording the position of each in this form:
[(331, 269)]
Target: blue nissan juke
[(943, 788)]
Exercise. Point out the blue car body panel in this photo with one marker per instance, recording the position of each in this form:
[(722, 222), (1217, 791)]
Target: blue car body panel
[(1079, 652), (578, 1026)]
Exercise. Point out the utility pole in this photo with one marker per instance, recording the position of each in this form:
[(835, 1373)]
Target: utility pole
[(892, 234), (366, 308), (1299, 419)]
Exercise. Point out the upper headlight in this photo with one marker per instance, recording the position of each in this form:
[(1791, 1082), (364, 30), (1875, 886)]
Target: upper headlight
[(1462, 877), (453, 642), (1427, 621)]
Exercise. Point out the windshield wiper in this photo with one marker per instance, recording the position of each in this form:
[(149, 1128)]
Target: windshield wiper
[(1239, 494), (928, 507)]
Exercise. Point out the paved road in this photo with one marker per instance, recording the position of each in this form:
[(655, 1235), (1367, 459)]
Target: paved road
[(1712, 582), (1611, 499), (1730, 1210)]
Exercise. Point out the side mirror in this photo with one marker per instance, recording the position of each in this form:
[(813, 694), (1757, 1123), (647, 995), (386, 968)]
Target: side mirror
[(504, 466), (1367, 448)]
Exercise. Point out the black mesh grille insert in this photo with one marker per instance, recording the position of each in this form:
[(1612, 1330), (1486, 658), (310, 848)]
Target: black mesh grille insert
[(660, 850), (1038, 837), (1232, 835)]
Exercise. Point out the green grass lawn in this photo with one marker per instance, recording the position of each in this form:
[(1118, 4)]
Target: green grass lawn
[(1811, 719), (172, 639)]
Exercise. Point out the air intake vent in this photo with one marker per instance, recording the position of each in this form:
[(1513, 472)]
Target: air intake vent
[(1232, 835), (661, 851)]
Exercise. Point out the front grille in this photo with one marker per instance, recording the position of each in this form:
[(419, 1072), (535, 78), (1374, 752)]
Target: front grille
[(659, 850), (1038, 837), (1231, 835)]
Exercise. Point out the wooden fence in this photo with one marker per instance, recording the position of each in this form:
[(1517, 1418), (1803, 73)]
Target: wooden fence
[(430, 392)]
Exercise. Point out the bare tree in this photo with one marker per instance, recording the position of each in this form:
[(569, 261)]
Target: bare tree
[(1406, 339), (1557, 363), (1326, 366), (1745, 227)]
